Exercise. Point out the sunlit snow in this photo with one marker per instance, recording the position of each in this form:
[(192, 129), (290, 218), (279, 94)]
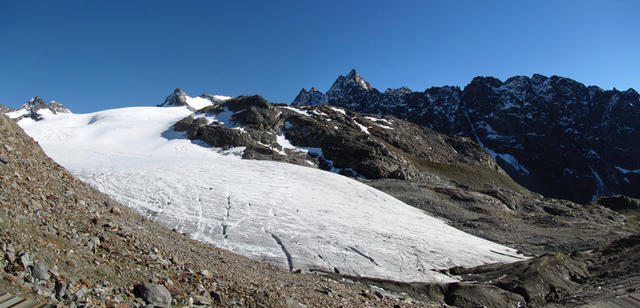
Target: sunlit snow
[(262, 209)]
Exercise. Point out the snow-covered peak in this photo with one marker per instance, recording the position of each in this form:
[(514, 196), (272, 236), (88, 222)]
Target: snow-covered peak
[(181, 98), (35, 108), (312, 97)]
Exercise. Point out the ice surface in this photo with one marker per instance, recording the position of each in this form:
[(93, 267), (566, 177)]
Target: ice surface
[(262, 209)]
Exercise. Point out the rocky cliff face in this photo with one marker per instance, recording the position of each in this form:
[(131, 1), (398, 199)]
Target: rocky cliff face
[(553, 135), (330, 138)]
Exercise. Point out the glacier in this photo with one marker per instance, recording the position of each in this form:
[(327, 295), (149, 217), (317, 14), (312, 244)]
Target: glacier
[(297, 217)]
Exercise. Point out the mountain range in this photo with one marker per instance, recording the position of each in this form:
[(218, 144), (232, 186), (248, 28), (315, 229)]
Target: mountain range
[(204, 166), (553, 135)]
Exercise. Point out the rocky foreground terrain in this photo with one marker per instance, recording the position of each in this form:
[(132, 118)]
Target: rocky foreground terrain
[(66, 243), (553, 135)]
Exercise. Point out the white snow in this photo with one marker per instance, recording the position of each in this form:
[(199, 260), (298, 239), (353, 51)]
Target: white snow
[(339, 110), (222, 118), (362, 127), (198, 102), (17, 113), (511, 160), (377, 121), (221, 98), (302, 112), (284, 143), (260, 209)]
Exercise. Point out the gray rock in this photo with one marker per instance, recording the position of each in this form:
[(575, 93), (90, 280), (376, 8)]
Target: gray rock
[(61, 289), (25, 260), (483, 296), (201, 300), (156, 295), (40, 271)]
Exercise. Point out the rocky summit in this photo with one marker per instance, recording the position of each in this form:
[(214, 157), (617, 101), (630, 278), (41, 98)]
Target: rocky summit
[(35, 108), (449, 177), (553, 135), (181, 98)]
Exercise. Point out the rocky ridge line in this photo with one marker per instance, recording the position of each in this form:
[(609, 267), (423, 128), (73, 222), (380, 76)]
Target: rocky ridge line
[(553, 135)]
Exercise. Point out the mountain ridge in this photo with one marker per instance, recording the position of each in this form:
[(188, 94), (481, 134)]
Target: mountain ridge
[(535, 127)]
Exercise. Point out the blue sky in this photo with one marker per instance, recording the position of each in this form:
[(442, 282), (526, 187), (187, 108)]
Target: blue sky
[(94, 55)]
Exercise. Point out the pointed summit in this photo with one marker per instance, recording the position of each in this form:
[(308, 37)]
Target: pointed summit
[(355, 77), (311, 97), (35, 108), (180, 98), (177, 98), (348, 86)]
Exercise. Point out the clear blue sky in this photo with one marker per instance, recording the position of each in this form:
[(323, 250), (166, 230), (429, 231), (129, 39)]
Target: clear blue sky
[(94, 55)]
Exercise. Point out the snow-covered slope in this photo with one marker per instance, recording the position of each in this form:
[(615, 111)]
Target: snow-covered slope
[(298, 217)]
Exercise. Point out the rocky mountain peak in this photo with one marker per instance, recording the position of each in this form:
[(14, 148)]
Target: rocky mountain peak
[(177, 98), (353, 76), (34, 103), (351, 83), (35, 108), (312, 97)]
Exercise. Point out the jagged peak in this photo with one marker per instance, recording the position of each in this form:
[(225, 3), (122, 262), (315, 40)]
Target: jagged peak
[(398, 91), (310, 97), (353, 75), (345, 83)]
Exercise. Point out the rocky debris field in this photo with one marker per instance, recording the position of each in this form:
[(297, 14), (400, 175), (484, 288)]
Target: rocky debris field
[(66, 243)]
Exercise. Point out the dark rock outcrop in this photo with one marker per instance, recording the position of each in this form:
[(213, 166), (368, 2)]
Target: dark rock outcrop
[(619, 203), (329, 137), (563, 279), (553, 135)]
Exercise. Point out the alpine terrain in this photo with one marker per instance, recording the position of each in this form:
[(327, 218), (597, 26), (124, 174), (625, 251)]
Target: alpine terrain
[(405, 214), (553, 135)]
